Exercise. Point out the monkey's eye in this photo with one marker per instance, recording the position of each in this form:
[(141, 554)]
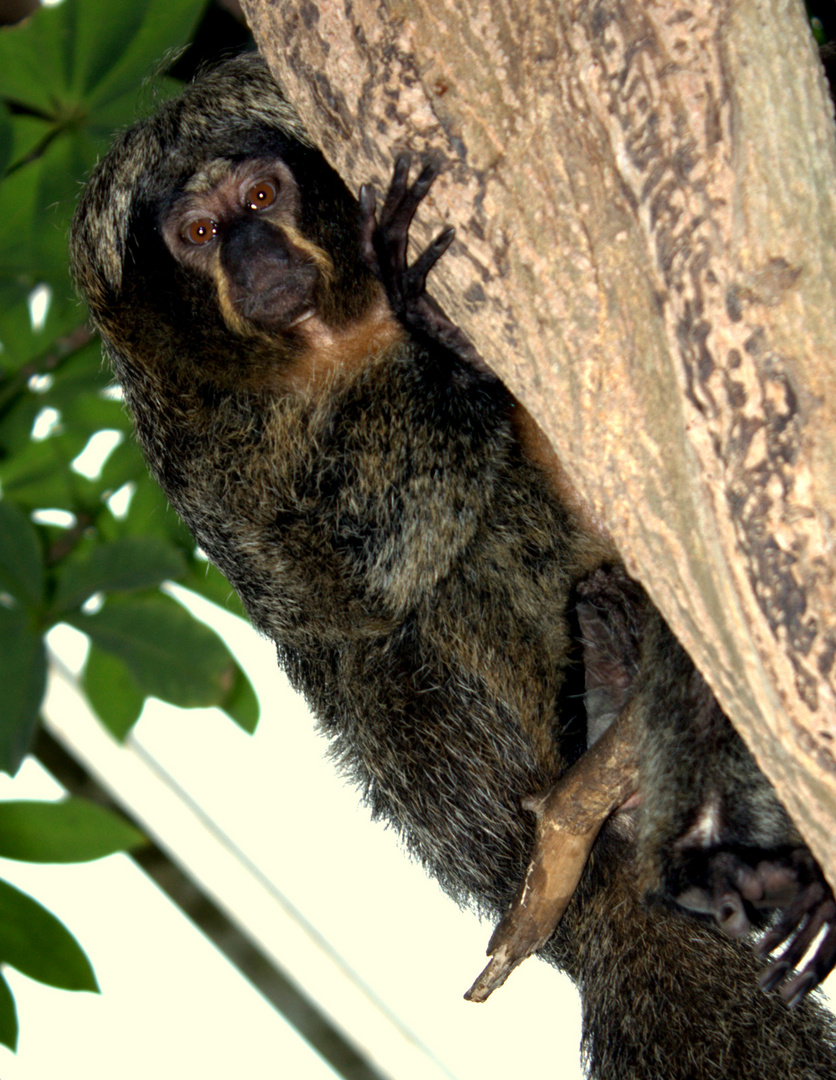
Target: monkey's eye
[(201, 231), (261, 195)]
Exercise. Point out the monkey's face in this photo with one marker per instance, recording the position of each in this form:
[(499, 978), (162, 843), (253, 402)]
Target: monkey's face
[(238, 225), (208, 235)]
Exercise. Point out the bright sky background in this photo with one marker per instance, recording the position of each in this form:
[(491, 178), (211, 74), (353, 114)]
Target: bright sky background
[(177, 1005), (170, 1006)]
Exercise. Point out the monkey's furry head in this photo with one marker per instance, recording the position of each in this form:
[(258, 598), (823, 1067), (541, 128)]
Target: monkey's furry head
[(142, 302)]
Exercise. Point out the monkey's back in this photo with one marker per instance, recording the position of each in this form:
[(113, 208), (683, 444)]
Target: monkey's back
[(415, 573)]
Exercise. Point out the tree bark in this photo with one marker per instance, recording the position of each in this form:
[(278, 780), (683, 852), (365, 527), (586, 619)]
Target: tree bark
[(644, 193)]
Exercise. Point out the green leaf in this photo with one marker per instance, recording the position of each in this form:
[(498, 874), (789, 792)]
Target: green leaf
[(150, 514), (112, 692), (21, 566), (73, 53), (82, 404), (38, 945), (33, 70), (127, 564), (73, 830), (123, 464), (168, 652), (241, 703), (17, 223), (54, 176), (23, 678), (8, 1016), (6, 138), (165, 26), (15, 322), (102, 32), (16, 425), (28, 134), (38, 474), (23, 346)]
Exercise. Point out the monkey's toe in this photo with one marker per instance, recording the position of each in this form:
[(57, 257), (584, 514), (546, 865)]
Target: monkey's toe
[(731, 915), (811, 916)]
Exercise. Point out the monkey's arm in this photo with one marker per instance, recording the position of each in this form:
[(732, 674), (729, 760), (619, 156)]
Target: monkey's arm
[(384, 242)]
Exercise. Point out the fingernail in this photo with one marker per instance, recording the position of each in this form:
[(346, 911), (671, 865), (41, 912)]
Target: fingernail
[(769, 978)]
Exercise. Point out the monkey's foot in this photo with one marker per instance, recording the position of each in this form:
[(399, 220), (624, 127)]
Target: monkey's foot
[(569, 817), (739, 889), (812, 913), (383, 244)]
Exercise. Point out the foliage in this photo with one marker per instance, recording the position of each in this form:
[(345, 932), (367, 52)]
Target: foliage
[(32, 939), (85, 544)]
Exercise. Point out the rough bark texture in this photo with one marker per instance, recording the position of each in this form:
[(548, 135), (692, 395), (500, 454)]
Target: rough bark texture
[(645, 198)]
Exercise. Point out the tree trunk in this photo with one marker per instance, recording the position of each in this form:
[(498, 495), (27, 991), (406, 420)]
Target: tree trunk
[(644, 197)]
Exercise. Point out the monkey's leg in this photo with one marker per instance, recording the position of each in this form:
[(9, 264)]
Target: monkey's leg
[(610, 609), (714, 836), (569, 818), (665, 996)]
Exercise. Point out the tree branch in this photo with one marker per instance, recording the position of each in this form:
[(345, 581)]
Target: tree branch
[(645, 199)]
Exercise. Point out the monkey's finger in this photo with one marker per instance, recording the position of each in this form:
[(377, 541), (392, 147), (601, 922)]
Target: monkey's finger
[(792, 956), (795, 988), (368, 224), (368, 203), (824, 960), (805, 937), (778, 884), (391, 233), (726, 902), (798, 987), (395, 218), (730, 913), (429, 257), (749, 884), (426, 179), (822, 963), (397, 188), (769, 978)]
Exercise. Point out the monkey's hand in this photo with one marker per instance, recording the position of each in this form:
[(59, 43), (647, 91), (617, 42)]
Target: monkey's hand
[(383, 244), (738, 889)]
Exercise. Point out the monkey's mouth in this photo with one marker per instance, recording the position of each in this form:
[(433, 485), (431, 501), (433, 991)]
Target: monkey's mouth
[(280, 304)]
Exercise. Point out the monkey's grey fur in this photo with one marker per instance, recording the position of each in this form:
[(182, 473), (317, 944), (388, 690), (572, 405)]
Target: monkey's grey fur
[(383, 525)]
